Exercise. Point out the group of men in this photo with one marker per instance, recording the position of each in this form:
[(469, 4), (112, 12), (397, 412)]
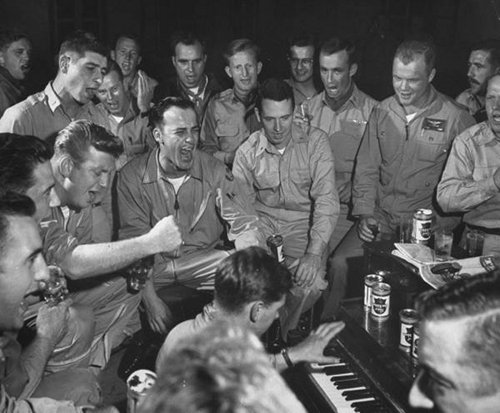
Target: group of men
[(188, 173)]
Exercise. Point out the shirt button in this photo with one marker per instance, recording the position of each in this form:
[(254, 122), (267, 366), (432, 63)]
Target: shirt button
[(427, 184), (431, 139)]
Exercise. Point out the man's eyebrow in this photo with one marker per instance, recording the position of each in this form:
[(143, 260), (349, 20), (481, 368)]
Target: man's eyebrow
[(436, 375), (34, 254)]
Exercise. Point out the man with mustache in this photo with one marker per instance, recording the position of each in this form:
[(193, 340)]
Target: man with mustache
[(471, 178), (15, 56), (197, 190), (301, 59), (342, 112), (230, 116), (81, 66), (189, 58), (484, 60)]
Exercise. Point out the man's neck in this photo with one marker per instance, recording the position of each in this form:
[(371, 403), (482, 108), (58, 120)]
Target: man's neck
[(419, 105), (70, 105), (307, 88), (245, 97), (129, 80), (169, 170), (336, 104)]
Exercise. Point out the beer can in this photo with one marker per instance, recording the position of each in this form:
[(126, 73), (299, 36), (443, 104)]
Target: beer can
[(408, 318), (370, 279), (415, 341), (138, 384), (422, 222), (275, 244), (381, 301)]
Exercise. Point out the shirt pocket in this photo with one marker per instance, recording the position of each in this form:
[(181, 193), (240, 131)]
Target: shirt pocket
[(300, 177), (431, 146), (228, 135)]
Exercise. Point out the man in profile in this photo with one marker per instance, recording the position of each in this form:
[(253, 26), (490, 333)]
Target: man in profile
[(458, 347), (484, 60)]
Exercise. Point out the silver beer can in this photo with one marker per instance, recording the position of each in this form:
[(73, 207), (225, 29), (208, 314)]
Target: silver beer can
[(370, 279)]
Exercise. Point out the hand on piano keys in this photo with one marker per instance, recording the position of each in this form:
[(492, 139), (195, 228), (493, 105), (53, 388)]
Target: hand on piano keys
[(312, 348)]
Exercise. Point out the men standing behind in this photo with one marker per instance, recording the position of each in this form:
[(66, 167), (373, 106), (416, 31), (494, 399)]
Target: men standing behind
[(189, 58), (301, 58), (289, 176), (230, 116), (15, 56), (471, 178), (198, 190), (139, 86), (484, 60), (123, 119), (82, 64), (22, 267), (342, 112), (403, 152), (250, 289), (458, 347)]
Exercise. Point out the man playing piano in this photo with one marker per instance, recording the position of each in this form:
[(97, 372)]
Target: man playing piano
[(458, 349)]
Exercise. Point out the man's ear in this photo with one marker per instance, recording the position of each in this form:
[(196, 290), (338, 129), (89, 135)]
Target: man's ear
[(139, 60), (227, 69), (2, 59), (173, 61), (112, 53), (353, 69), (66, 166), (157, 135), (259, 67), (256, 311), (432, 74), (257, 114), (64, 62)]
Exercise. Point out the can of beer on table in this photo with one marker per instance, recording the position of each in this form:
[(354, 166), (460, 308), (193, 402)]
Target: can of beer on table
[(415, 340), (275, 244), (422, 222), (138, 384), (408, 318), (370, 279), (381, 301)]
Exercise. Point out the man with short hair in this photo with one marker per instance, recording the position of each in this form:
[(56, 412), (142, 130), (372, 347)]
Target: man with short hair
[(139, 86), (189, 58), (15, 56), (230, 115), (84, 155), (250, 289), (198, 190), (484, 60), (471, 179), (81, 65), (289, 176), (301, 59), (458, 347), (342, 111), (123, 119), (402, 154)]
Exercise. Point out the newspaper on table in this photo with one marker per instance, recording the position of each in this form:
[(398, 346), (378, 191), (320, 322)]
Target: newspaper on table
[(437, 273)]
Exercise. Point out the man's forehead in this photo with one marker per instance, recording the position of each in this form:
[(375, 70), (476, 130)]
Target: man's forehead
[(302, 52), (243, 56), (481, 55), (110, 79), (271, 107), (43, 175), (337, 59), (443, 339), (20, 44), (182, 49), (175, 117), (127, 43), (494, 84), (88, 57)]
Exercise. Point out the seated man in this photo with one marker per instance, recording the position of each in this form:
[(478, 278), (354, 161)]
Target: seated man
[(289, 176), (458, 348), (471, 179), (15, 55), (250, 289), (189, 58), (223, 365), (138, 85), (84, 155), (230, 115), (21, 267), (197, 189), (124, 120)]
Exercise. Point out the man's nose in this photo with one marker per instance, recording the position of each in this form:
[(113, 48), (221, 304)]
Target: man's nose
[(41, 271), (329, 77), (471, 72), (190, 66), (244, 72), (417, 397), (54, 200), (277, 125), (405, 84)]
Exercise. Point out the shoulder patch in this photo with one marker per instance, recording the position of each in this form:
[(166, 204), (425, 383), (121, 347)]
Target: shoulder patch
[(438, 125)]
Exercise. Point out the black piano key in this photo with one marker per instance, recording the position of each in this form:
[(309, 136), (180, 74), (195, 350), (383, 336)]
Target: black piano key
[(356, 394), (375, 408), (349, 384), (333, 370), (371, 404), (340, 379)]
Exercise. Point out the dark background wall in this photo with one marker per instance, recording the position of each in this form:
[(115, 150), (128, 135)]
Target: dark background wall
[(375, 25)]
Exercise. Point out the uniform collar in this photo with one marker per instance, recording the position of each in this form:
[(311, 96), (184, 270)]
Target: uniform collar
[(154, 172), (52, 99)]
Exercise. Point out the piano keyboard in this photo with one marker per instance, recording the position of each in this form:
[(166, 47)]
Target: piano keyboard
[(345, 390)]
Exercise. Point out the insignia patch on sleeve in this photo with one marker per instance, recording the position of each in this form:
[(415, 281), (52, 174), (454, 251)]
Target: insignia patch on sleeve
[(438, 125)]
